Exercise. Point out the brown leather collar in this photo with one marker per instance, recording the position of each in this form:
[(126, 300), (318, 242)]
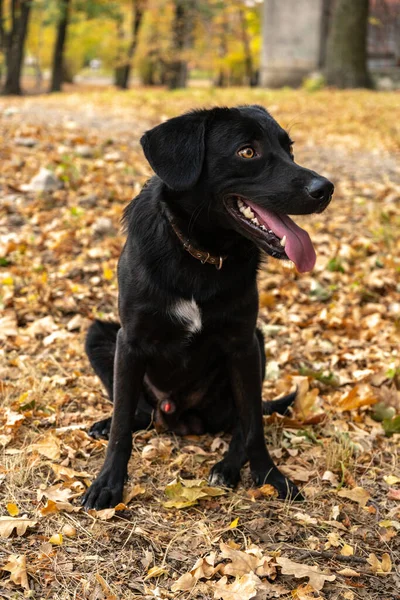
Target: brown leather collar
[(203, 257)]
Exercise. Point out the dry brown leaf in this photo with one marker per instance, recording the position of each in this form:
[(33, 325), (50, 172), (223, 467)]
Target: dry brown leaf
[(357, 494), (66, 473), (52, 507), (348, 573), (49, 446), (252, 560), (378, 567), (105, 587), (17, 567), (132, 492), (316, 577), (243, 588), (21, 524), (57, 493)]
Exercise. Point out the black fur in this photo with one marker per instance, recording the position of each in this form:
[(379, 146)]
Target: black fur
[(213, 375)]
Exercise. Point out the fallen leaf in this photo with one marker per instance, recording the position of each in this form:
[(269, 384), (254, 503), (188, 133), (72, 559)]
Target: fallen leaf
[(12, 509), (155, 572), (348, 573), (68, 530), (184, 493), (393, 494), (132, 492), (66, 474), (49, 446), (234, 523), (391, 479), (17, 567), (105, 587), (347, 550), (243, 588), (51, 507), (8, 524), (357, 494), (316, 577), (56, 539), (378, 567), (250, 561), (305, 519)]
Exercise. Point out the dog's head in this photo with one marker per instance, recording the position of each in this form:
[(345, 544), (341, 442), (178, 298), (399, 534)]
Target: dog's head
[(241, 162)]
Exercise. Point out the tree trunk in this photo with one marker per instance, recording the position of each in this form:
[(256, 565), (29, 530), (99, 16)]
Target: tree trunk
[(346, 58), (58, 56), (248, 59), (122, 72), (177, 70), (14, 44)]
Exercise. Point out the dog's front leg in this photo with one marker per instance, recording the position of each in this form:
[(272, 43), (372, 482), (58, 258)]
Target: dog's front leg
[(106, 490), (246, 380)]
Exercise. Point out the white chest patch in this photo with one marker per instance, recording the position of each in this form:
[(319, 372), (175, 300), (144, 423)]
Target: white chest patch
[(188, 313)]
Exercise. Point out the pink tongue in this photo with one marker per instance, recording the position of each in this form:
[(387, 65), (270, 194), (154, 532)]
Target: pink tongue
[(299, 247)]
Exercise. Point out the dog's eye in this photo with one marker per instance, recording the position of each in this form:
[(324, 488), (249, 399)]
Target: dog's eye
[(247, 152)]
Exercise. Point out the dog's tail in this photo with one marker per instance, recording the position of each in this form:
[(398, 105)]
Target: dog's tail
[(279, 406), (100, 346)]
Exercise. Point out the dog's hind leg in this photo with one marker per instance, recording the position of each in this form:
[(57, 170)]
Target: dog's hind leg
[(100, 346), (226, 473)]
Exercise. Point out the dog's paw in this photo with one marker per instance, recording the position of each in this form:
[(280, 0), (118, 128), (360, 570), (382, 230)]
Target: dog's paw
[(105, 492), (101, 429), (224, 474), (286, 489)]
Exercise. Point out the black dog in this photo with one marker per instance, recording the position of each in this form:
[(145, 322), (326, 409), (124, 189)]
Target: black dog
[(187, 353)]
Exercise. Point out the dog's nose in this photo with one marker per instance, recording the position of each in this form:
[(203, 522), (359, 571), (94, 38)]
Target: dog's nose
[(320, 189)]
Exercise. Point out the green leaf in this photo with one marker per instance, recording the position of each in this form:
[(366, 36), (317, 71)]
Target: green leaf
[(391, 426)]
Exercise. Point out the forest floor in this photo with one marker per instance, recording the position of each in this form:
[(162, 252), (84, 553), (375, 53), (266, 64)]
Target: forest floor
[(334, 333)]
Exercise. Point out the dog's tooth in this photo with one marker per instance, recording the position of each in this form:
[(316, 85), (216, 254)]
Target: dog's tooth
[(248, 213), (240, 203), (283, 241)]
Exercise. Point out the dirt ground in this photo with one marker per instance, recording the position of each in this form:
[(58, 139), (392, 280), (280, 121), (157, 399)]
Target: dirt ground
[(334, 333)]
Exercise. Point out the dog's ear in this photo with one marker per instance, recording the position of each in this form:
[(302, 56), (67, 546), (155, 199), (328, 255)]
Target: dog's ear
[(175, 150)]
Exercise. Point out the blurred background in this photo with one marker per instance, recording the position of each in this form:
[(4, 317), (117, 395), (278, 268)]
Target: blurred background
[(45, 44)]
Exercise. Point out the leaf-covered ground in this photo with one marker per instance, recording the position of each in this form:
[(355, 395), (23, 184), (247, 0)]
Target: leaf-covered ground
[(334, 333)]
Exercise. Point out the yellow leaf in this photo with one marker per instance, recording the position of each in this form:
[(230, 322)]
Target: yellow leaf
[(391, 479), (156, 572), (8, 524), (347, 550), (108, 274), (56, 539), (8, 280), (12, 509), (390, 523), (17, 567), (234, 523)]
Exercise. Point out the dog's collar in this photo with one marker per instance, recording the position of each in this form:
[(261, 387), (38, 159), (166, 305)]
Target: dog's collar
[(203, 257)]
